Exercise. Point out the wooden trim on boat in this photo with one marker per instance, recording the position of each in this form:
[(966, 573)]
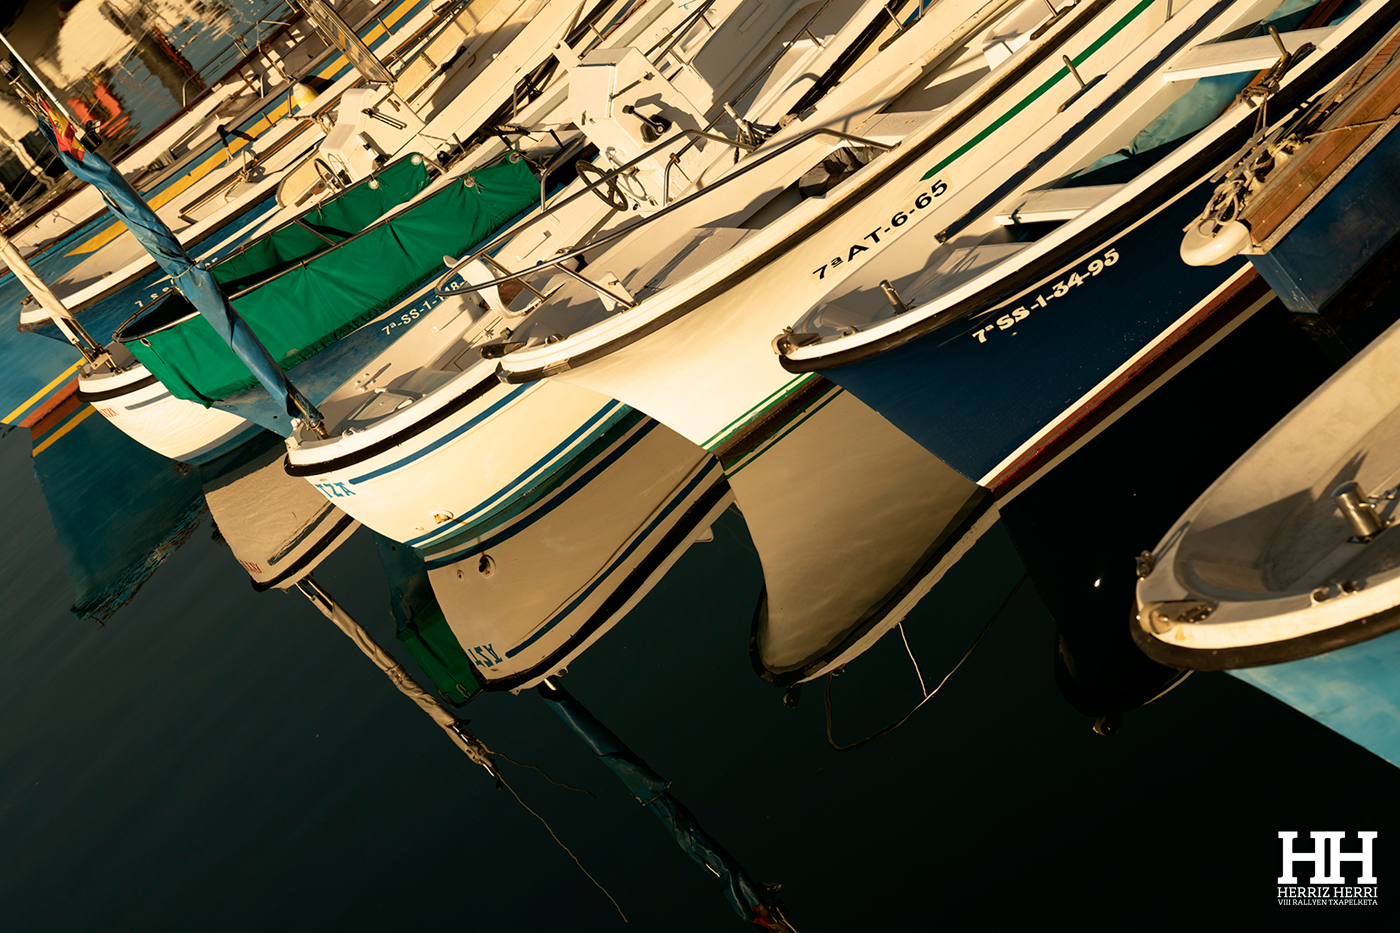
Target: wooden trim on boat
[(1322, 163)]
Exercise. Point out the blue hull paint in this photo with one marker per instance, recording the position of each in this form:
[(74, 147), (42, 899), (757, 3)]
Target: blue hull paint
[(1354, 691), (973, 402), (1354, 222)]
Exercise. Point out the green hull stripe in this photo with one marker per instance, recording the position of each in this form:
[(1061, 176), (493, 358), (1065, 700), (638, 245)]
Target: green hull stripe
[(1040, 91), (723, 433), (736, 467)]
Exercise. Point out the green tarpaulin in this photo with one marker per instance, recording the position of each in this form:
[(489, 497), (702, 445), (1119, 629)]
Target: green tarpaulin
[(319, 300), (336, 220)]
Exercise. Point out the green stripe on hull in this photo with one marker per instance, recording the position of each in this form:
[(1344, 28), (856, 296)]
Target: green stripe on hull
[(1039, 92), (721, 437)]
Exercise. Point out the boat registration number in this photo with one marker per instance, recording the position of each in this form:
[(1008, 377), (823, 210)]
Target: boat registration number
[(411, 315), (900, 218), (1060, 290)]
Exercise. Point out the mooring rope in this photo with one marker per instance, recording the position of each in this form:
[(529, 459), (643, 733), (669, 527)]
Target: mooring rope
[(928, 694), (562, 846)]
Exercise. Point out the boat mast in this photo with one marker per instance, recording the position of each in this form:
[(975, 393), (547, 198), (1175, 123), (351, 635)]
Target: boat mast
[(43, 86), (58, 312)]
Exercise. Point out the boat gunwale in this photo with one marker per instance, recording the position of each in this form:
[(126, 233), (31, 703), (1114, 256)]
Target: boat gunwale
[(443, 181), (899, 159), (396, 435), (1119, 214)]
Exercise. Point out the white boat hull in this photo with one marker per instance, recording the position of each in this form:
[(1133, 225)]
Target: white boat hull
[(1263, 568), (421, 474), (142, 408), (699, 356)]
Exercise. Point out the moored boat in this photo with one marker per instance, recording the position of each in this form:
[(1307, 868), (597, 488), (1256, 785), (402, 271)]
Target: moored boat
[(397, 427), (695, 351), (145, 394), (1289, 553), (977, 347), (209, 173)]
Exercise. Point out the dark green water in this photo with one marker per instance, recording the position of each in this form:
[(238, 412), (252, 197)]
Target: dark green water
[(217, 759)]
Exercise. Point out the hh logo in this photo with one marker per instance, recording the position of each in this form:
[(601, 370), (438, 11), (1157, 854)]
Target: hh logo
[(1327, 857)]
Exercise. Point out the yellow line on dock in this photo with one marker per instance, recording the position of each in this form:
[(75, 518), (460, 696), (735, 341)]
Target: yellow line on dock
[(29, 402)]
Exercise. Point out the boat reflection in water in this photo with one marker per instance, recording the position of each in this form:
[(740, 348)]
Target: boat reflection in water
[(527, 592), (119, 510), (854, 523), (597, 543)]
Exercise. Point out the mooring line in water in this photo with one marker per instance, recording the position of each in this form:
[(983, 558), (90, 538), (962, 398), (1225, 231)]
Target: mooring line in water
[(562, 846), (522, 764), (928, 694)]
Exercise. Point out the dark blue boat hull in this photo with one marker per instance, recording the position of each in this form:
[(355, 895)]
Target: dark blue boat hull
[(1355, 221), (977, 389)]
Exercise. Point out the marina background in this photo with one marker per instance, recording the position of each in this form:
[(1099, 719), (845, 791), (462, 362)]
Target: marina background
[(220, 759)]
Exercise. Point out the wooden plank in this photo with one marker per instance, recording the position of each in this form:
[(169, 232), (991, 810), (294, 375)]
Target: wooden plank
[(1340, 136), (1238, 55)]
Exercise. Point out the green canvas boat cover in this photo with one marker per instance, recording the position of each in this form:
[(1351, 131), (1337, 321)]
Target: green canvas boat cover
[(317, 300), (433, 645), (337, 219)]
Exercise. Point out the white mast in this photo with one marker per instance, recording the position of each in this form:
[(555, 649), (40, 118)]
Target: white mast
[(63, 318)]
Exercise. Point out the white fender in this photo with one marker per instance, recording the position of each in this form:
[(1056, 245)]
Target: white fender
[(1198, 249)]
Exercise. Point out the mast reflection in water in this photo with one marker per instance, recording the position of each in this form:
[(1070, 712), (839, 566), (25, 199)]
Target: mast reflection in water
[(218, 757)]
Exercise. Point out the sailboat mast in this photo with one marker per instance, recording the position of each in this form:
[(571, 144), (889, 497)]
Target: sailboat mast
[(43, 85), (58, 312)]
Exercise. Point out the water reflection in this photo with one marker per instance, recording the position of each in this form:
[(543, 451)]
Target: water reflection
[(854, 524), (119, 510), (125, 65), (269, 801)]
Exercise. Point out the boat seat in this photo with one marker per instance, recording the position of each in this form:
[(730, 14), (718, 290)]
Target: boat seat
[(348, 146), (1050, 204), (1238, 55), (891, 129)]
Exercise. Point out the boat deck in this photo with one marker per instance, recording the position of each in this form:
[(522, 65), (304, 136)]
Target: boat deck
[(1361, 115)]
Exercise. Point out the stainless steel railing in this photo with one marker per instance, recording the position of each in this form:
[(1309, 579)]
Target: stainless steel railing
[(607, 177)]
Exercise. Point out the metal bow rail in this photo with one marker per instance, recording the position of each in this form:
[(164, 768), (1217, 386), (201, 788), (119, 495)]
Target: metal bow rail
[(609, 177)]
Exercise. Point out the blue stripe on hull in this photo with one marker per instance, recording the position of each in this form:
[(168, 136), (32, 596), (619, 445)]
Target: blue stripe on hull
[(558, 459), (973, 402)]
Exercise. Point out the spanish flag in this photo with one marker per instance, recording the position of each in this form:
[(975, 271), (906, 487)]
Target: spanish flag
[(65, 134)]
